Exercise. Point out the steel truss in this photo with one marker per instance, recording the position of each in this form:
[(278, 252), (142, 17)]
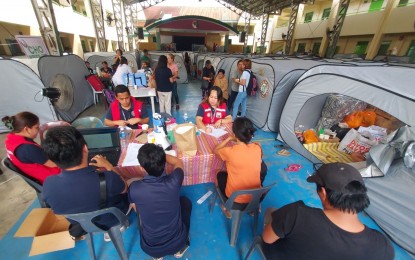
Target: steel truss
[(116, 5), (98, 20), (47, 25), (335, 33), (291, 27)]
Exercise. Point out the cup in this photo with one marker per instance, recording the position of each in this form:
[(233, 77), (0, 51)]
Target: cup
[(144, 127)]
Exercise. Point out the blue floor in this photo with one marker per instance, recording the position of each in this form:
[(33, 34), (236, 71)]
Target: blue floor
[(209, 231)]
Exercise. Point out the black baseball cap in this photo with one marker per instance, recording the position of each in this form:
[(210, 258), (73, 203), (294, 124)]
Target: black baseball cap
[(336, 176)]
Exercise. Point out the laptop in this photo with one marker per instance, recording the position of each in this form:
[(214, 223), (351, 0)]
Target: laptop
[(104, 141)]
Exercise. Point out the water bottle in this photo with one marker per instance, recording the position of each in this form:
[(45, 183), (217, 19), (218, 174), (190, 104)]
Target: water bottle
[(185, 118), (123, 137), (299, 130)]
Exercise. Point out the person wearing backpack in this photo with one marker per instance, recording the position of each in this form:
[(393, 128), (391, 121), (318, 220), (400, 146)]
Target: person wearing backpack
[(242, 95)]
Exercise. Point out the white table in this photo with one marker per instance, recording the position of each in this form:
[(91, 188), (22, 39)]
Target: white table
[(144, 92)]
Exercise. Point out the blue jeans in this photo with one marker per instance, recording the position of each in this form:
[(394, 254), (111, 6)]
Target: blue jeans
[(174, 93), (240, 100)]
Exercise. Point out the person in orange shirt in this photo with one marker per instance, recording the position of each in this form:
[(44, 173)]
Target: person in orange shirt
[(245, 168)]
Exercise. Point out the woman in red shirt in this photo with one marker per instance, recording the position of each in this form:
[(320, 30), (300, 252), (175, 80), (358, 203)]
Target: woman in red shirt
[(212, 111), (25, 153)]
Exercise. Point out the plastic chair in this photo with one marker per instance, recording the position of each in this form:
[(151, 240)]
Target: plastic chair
[(46, 126), (85, 220), (87, 122), (35, 184), (256, 244), (256, 196)]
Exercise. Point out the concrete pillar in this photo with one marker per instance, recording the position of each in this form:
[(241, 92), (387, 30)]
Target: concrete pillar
[(330, 22), (158, 40), (77, 46), (377, 37), (271, 29), (225, 45)]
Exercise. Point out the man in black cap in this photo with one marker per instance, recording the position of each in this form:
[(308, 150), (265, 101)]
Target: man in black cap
[(334, 232)]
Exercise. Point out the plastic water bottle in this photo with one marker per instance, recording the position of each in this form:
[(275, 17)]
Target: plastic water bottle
[(123, 137), (185, 118), (299, 130)]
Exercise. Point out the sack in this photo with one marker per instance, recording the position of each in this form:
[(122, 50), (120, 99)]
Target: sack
[(152, 82), (355, 142), (185, 137), (252, 86)]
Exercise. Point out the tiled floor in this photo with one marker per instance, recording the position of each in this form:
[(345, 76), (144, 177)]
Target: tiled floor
[(209, 231)]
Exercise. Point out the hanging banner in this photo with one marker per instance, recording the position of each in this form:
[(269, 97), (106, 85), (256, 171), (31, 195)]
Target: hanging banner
[(32, 46)]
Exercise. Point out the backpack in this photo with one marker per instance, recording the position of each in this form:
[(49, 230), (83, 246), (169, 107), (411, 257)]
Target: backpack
[(252, 86), (109, 96)]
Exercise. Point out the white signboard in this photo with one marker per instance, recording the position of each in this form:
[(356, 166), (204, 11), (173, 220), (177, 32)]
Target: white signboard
[(32, 46)]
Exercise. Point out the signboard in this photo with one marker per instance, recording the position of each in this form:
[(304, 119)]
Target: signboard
[(32, 46)]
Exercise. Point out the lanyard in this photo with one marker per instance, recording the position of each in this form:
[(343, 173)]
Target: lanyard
[(123, 115), (212, 118)]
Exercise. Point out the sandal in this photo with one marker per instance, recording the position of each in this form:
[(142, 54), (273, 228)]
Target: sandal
[(284, 152), (293, 168)]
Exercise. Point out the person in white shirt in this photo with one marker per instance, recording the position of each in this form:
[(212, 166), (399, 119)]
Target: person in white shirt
[(122, 69), (241, 98)]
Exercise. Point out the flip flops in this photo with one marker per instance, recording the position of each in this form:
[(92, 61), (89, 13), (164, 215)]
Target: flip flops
[(293, 168), (284, 152)]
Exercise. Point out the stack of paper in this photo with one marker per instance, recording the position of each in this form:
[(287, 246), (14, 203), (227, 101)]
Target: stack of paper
[(131, 156)]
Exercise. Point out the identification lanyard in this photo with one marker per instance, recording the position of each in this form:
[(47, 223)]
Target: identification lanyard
[(123, 115), (213, 114)]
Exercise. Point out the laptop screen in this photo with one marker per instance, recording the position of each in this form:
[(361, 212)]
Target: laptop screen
[(104, 137), (103, 141)]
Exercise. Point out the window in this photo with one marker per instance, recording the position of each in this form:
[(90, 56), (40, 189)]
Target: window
[(83, 45), (91, 45), (326, 14), (316, 47), (403, 3), (301, 48), (411, 52), (384, 47), (376, 5), (308, 17), (361, 47)]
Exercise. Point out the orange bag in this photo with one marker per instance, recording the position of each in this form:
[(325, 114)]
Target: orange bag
[(368, 118), (310, 136), (360, 118)]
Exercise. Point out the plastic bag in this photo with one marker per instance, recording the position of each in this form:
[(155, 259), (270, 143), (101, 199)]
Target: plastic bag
[(360, 118), (355, 142), (310, 136), (376, 131)]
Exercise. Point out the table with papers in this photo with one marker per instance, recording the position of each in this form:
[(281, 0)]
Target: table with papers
[(201, 168)]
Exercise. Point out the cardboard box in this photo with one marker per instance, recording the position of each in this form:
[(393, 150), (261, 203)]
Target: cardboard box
[(50, 231)]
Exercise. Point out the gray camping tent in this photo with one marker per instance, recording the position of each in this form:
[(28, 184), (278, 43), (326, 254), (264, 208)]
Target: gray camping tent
[(67, 73), (388, 88), (265, 108), (95, 59), (21, 91)]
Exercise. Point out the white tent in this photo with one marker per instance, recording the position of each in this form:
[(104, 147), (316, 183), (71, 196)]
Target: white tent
[(389, 88), (21, 91)]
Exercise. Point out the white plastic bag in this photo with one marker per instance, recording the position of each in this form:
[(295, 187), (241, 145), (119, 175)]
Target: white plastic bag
[(376, 131), (356, 142)]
